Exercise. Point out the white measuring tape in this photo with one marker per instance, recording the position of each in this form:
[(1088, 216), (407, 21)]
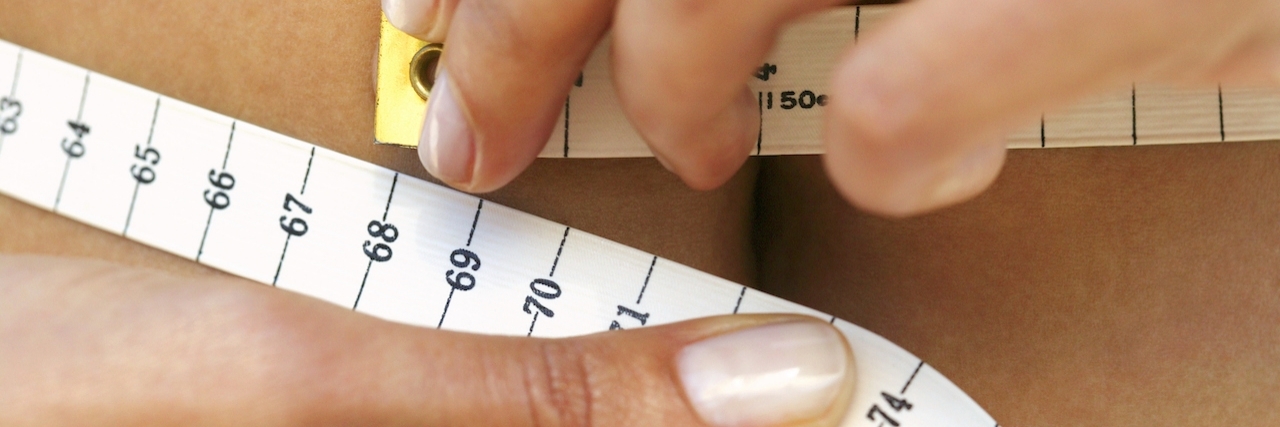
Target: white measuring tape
[(283, 212)]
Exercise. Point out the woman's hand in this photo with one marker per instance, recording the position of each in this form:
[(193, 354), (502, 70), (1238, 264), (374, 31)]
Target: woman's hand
[(920, 108), (86, 342)]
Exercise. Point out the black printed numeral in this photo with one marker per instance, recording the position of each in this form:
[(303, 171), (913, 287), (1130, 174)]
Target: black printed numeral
[(789, 100), (295, 226), (642, 317), (805, 100), (380, 252), (10, 110), (74, 145), (143, 171), (544, 289), (765, 71), (896, 403), (463, 280), (217, 196)]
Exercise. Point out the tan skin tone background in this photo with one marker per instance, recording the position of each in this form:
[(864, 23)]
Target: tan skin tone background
[(1135, 286)]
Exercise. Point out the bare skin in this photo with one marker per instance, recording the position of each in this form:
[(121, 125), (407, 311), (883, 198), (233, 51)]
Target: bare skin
[(1120, 286)]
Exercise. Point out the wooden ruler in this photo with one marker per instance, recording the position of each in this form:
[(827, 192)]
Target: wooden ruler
[(791, 87)]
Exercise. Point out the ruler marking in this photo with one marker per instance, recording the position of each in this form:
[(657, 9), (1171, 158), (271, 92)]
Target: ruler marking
[(129, 218), (566, 125), (646, 279), (84, 93), (857, 22), (369, 266), (13, 89), (759, 134), (394, 180), (446, 307), (306, 176), (17, 71), (57, 200), (209, 221), (741, 294), (1133, 103), (364, 280), (227, 155), (137, 185), (475, 221), (280, 265), (531, 324), (913, 377), (66, 167), (1222, 116), (1042, 137), (558, 252)]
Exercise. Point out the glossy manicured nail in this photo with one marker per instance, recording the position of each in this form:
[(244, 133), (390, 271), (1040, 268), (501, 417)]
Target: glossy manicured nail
[(767, 375), (447, 145)]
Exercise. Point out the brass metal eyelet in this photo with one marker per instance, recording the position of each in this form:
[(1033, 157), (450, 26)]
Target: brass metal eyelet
[(422, 69)]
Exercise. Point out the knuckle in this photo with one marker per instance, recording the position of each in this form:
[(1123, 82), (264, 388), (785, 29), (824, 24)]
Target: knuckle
[(532, 30), (560, 383)]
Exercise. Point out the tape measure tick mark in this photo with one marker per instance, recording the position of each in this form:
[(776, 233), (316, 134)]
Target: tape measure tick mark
[(566, 125), (646, 279), (1133, 102), (760, 132), (913, 377), (1042, 138), (857, 22), (475, 221), (531, 325), (559, 251), (17, 69), (1222, 120), (739, 304)]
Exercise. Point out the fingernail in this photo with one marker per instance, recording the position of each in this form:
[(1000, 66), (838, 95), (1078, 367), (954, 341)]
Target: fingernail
[(768, 375), (409, 16), (447, 146), (965, 177)]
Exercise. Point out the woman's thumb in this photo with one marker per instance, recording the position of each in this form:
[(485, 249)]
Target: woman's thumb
[(134, 347), (762, 370)]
